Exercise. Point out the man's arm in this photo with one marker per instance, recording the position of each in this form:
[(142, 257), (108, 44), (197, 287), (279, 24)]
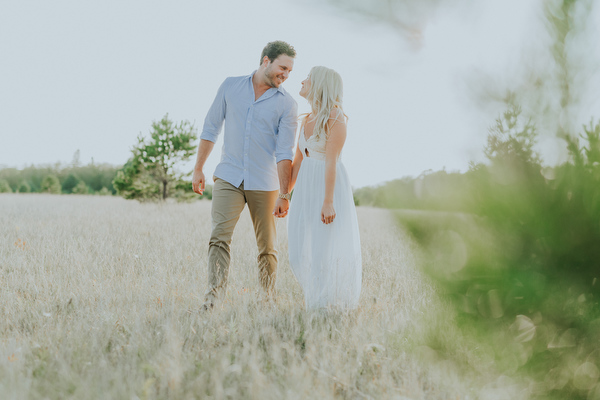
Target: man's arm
[(210, 131), (198, 179), (284, 154), (284, 170)]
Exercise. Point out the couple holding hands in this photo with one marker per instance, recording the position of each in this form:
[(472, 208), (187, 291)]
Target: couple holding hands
[(258, 167)]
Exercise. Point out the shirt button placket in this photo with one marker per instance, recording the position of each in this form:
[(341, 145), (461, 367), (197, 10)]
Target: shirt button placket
[(247, 141)]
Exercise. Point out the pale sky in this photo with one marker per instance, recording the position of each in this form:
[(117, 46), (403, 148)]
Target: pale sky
[(93, 75)]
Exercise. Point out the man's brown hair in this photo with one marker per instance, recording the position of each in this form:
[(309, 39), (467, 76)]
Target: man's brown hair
[(274, 49)]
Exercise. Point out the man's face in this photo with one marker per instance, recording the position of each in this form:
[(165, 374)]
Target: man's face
[(278, 70)]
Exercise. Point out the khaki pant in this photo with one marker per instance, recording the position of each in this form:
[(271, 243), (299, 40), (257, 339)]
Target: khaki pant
[(227, 205)]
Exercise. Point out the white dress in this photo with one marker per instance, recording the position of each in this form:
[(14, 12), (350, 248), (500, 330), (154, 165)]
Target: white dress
[(325, 259)]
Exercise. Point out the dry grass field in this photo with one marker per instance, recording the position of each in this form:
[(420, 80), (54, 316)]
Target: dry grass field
[(100, 299)]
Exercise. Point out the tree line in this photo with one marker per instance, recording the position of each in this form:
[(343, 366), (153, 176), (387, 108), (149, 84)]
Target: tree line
[(151, 174), (59, 179)]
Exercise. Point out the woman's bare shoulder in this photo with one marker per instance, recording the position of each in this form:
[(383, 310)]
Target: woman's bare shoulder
[(337, 116)]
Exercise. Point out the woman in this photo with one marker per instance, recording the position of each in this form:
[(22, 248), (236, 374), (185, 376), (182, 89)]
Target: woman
[(324, 244)]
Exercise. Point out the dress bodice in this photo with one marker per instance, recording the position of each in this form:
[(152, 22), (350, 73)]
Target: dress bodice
[(313, 147)]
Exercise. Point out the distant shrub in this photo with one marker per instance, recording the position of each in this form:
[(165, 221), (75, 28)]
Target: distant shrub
[(24, 187), (104, 192), (4, 186), (50, 184), (81, 188), (70, 183)]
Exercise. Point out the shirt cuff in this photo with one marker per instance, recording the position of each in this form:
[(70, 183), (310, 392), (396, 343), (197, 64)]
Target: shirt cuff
[(211, 137), (281, 157)]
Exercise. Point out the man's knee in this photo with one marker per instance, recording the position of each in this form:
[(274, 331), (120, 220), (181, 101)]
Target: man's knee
[(217, 243)]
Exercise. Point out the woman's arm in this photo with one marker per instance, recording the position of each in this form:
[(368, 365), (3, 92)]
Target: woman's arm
[(296, 167), (335, 142)]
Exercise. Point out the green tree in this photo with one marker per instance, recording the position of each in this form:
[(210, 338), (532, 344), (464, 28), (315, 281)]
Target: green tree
[(104, 192), (133, 182), (511, 142), (70, 183), (24, 187), (81, 188), (151, 173), (4, 186), (50, 184)]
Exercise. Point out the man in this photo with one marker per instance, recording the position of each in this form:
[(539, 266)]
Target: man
[(260, 127)]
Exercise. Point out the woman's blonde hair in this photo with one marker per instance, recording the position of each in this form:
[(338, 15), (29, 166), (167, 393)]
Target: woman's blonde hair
[(325, 94)]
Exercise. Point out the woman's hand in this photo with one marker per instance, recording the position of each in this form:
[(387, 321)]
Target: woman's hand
[(327, 213)]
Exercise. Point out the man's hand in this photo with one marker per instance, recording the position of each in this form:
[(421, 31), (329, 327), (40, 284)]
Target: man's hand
[(198, 182), (281, 208)]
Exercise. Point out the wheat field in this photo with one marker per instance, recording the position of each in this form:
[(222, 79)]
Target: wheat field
[(100, 299)]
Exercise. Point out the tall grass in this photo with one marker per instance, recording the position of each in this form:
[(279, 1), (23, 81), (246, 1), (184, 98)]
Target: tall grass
[(100, 299)]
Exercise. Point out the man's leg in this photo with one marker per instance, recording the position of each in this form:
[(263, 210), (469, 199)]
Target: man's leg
[(261, 204), (227, 205)]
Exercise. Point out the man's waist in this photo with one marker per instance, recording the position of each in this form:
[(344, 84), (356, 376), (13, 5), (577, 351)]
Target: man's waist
[(254, 179)]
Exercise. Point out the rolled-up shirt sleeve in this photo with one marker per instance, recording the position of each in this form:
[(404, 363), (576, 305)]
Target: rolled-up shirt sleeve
[(286, 137), (215, 116)]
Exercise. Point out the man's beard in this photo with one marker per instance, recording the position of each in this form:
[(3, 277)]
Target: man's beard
[(271, 78)]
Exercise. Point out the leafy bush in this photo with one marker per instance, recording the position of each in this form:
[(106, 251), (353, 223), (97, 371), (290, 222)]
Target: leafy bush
[(24, 187), (133, 182), (81, 188), (104, 192), (69, 183), (50, 184), (522, 264), (4, 186)]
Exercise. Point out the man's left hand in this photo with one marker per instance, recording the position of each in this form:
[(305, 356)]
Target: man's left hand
[(281, 208)]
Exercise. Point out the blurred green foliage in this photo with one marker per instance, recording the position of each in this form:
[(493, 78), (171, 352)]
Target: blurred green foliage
[(518, 253), (50, 184), (439, 190), (69, 183), (4, 186), (151, 173), (96, 177), (24, 187), (104, 192), (81, 188)]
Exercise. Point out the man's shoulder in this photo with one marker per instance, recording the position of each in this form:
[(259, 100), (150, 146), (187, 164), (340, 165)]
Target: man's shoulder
[(287, 98), (233, 80), (240, 78), (284, 92)]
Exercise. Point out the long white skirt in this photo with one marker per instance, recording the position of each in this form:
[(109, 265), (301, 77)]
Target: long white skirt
[(325, 259)]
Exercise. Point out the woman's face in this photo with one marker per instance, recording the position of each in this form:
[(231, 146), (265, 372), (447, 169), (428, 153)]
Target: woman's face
[(305, 87)]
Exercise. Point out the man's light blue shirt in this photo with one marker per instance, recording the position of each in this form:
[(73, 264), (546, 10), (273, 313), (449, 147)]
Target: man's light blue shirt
[(258, 134)]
